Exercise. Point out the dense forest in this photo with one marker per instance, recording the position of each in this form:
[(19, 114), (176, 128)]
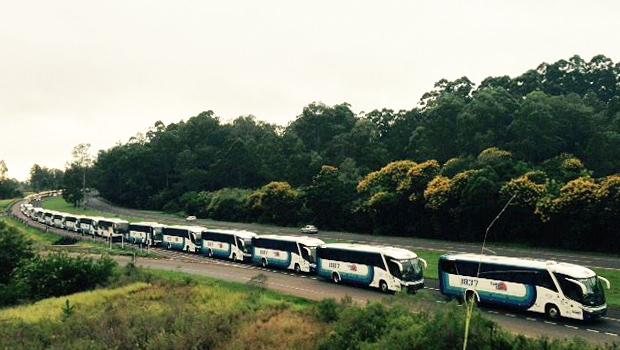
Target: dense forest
[(547, 141)]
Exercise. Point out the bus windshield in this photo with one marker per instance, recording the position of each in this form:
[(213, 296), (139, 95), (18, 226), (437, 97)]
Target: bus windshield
[(244, 244), (192, 237), (308, 253), (405, 269), (594, 294)]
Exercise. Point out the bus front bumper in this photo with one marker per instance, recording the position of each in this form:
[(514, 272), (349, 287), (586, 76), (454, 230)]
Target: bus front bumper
[(412, 287), (592, 313)]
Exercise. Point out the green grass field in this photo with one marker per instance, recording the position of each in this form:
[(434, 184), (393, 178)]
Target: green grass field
[(6, 203), (164, 310), (59, 204)]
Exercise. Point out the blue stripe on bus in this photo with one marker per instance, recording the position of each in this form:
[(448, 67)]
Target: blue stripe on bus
[(326, 272), (272, 261), (522, 302)]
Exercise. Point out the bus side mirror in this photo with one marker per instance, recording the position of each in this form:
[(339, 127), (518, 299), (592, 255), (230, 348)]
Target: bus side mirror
[(606, 281), (307, 251), (584, 290), (424, 263)]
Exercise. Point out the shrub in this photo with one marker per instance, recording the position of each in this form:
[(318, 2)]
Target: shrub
[(59, 274), (14, 249)]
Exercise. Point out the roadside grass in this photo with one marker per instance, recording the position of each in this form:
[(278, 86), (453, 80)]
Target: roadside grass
[(265, 296), (39, 238), (6, 203), (612, 295), (158, 309), (51, 308), (59, 204)]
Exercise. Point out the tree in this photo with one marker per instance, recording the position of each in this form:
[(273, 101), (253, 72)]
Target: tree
[(42, 178), (329, 197), (72, 190), (276, 202), (14, 250), (3, 170), (9, 188), (74, 180)]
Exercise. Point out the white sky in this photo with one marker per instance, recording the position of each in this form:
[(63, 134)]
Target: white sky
[(101, 71)]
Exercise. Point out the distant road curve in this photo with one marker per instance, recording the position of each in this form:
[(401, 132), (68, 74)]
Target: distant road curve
[(310, 287)]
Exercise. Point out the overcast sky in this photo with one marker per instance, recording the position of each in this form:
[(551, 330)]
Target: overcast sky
[(101, 71)]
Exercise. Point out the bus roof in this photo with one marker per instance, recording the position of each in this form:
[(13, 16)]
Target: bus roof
[(238, 233), (147, 223), (189, 228), (572, 270), (393, 252), (309, 241), (113, 220)]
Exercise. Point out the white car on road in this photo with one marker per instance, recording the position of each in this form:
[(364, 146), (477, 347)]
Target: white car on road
[(309, 229)]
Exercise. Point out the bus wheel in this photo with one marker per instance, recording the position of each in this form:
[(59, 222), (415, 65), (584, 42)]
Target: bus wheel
[(210, 253), (297, 268), (169, 246), (470, 297), (552, 311), (234, 257), (336, 277), (383, 286), (263, 262)]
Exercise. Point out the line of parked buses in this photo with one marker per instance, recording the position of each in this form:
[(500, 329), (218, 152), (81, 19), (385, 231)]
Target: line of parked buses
[(556, 289)]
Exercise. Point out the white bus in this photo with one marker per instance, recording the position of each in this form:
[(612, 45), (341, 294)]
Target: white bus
[(57, 219), (48, 217), (29, 208), (388, 268), (296, 253), (112, 228), (228, 244), (556, 289), (185, 238), (87, 225), (149, 233), (70, 222), (37, 215)]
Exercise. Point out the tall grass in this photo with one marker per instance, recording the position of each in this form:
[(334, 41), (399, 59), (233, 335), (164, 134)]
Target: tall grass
[(51, 308)]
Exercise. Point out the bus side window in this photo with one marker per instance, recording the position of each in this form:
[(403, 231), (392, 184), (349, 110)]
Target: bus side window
[(393, 267), (467, 268), (544, 280)]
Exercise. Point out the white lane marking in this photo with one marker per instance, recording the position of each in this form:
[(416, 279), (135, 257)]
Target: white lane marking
[(592, 330), (611, 319), (493, 312), (612, 334), (549, 322), (571, 327), (431, 288), (440, 301), (531, 319), (510, 315)]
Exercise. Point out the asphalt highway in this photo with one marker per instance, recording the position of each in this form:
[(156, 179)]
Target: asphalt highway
[(605, 330)]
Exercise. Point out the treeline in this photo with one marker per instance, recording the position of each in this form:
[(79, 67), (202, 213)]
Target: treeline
[(442, 169)]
